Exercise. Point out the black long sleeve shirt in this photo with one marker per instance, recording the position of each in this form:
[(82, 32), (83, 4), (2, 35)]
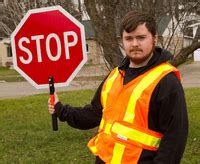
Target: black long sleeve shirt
[(167, 113)]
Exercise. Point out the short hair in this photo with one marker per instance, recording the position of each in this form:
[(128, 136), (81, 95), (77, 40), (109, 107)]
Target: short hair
[(134, 18)]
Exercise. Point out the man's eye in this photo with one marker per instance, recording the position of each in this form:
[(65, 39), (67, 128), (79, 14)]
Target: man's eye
[(129, 38), (141, 37)]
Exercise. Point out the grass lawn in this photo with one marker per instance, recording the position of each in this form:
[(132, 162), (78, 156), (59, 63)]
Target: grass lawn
[(192, 152), (9, 75), (26, 134)]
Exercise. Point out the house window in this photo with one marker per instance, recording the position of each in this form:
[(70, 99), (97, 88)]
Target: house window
[(9, 51), (87, 48), (189, 32), (89, 61)]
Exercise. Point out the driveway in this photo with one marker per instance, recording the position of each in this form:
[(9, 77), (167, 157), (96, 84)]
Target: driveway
[(190, 77)]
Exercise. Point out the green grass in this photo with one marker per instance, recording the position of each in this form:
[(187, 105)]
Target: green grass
[(26, 134), (9, 75), (192, 152)]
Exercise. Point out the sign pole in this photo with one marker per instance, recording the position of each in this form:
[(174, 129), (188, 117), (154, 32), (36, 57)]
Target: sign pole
[(52, 100)]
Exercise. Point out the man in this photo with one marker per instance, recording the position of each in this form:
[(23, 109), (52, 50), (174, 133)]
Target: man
[(140, 107)]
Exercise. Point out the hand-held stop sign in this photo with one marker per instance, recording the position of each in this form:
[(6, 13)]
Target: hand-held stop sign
[(47, 44)]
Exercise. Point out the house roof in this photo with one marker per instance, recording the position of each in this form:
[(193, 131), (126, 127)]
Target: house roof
[(89, 32), (162, 23), (195, 25)]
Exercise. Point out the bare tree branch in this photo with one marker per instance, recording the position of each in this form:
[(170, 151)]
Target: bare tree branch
[(183, 54)]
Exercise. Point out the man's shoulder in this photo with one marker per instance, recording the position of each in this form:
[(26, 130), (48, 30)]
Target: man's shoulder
[(169, 86), (170, 83), (170, 79)]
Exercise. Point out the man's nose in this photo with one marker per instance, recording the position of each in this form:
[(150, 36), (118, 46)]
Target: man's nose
[(135, 42)]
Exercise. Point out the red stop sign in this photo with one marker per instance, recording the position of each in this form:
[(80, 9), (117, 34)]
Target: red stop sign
[(48, 42)]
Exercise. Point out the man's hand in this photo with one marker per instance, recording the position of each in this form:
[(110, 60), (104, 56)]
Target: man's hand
[(51, 106)]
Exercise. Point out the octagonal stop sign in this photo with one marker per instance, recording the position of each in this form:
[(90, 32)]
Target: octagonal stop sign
[(48, 42)]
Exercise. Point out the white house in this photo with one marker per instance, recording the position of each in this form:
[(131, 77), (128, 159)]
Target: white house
[(168, 27), (5, 53), (194, 31)]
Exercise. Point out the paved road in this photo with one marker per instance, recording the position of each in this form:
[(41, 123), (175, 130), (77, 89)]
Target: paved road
[(19, 89), (190, 74)]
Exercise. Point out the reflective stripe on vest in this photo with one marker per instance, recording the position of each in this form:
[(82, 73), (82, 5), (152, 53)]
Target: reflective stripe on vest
[(136, 135), (118, 152), (149, 138), (145, 82), (108, 87)]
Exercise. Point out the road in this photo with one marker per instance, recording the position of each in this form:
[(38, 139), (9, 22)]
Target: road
[(190, 77), (19, 89)]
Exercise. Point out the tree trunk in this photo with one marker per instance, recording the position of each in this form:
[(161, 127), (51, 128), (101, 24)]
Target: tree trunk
[(184, 53), (103, 21)]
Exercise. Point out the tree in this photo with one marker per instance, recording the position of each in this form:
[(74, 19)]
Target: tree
[(105, 15), (102, 15), (13, 11), (10, 17)]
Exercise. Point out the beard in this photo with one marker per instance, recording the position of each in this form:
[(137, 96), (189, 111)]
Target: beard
[(138, 59), (136, 55)]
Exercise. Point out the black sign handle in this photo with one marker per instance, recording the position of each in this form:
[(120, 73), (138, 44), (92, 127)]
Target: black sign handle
[(52, 100)]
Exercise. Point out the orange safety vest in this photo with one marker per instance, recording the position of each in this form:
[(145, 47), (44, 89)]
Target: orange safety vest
[(123, 131)]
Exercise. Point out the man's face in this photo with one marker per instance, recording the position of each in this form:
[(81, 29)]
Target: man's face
[(138, 44)]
